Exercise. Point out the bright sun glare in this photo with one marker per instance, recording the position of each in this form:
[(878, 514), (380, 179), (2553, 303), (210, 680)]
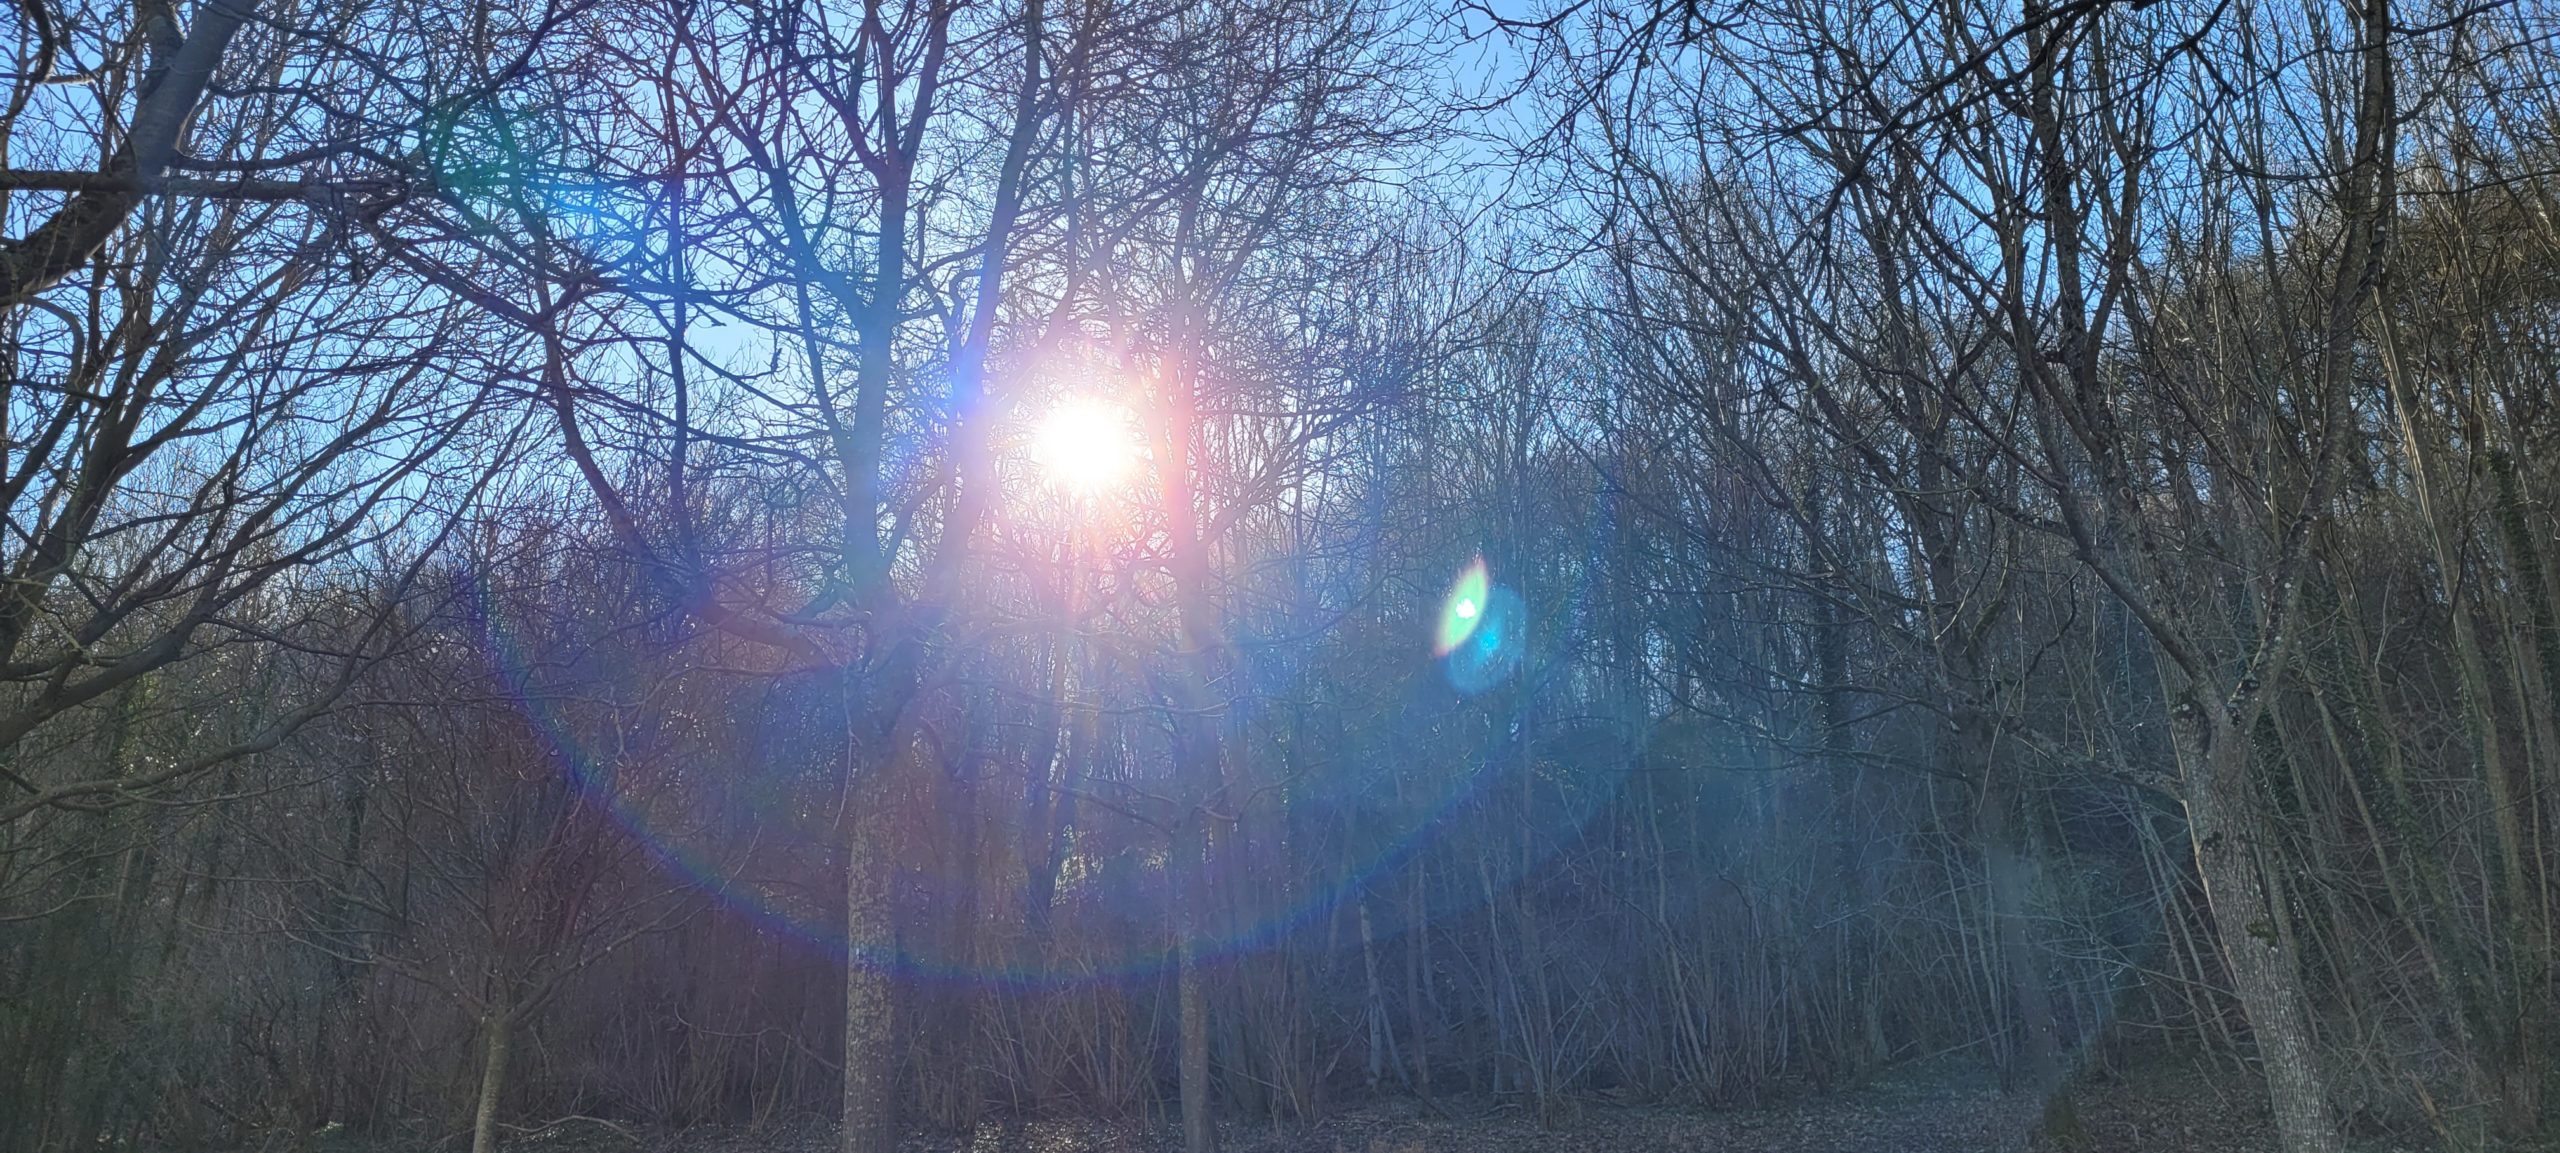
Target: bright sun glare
[(1085, 445)]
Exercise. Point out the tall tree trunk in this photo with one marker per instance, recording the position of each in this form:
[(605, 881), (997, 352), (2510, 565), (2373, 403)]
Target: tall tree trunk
[(2038, 1064), (1373, 1001), (1853, 942), (1191, 990), (870, 1052), (496, 1041), (1199, 746), (1417, 967), (2223, 824)]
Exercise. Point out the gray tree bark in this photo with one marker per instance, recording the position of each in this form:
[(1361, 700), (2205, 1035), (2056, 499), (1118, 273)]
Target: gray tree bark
[(496, 1027), (1199, 1134), (870, 1056), (2247, 910)]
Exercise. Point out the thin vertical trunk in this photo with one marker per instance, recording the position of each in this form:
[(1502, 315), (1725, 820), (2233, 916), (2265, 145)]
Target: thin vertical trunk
[(1852, 943), (1199, 758), (2536, 665), (496, 1042), (2038, 1064), (1191, 991), (1056, 835), (870, 1056), (1417, 966), (1373, 1003), (964, 1002), (1040, 771)]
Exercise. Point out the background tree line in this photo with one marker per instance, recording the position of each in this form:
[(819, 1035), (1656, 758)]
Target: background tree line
[(531, 591)]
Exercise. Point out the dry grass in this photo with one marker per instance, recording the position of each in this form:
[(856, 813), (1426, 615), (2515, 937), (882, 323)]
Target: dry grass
[(1942, 1110)]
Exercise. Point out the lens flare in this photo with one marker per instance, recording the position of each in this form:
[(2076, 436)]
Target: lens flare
[(1086, 446), (1492, 650), (1462, 611)]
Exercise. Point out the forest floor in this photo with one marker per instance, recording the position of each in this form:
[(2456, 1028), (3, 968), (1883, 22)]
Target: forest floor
[(1925, 1110)]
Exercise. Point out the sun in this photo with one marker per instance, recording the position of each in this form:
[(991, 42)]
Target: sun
[(1085, 446)]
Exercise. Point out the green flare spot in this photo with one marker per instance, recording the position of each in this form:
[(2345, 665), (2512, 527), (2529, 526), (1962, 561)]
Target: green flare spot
[(1461, 610)]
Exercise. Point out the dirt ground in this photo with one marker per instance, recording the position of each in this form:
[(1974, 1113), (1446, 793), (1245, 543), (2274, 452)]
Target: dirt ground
[(1912, 1111)]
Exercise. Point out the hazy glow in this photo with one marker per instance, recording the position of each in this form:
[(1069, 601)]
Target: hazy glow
[(1494, 647), (1461, 609), (1085, 445)]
